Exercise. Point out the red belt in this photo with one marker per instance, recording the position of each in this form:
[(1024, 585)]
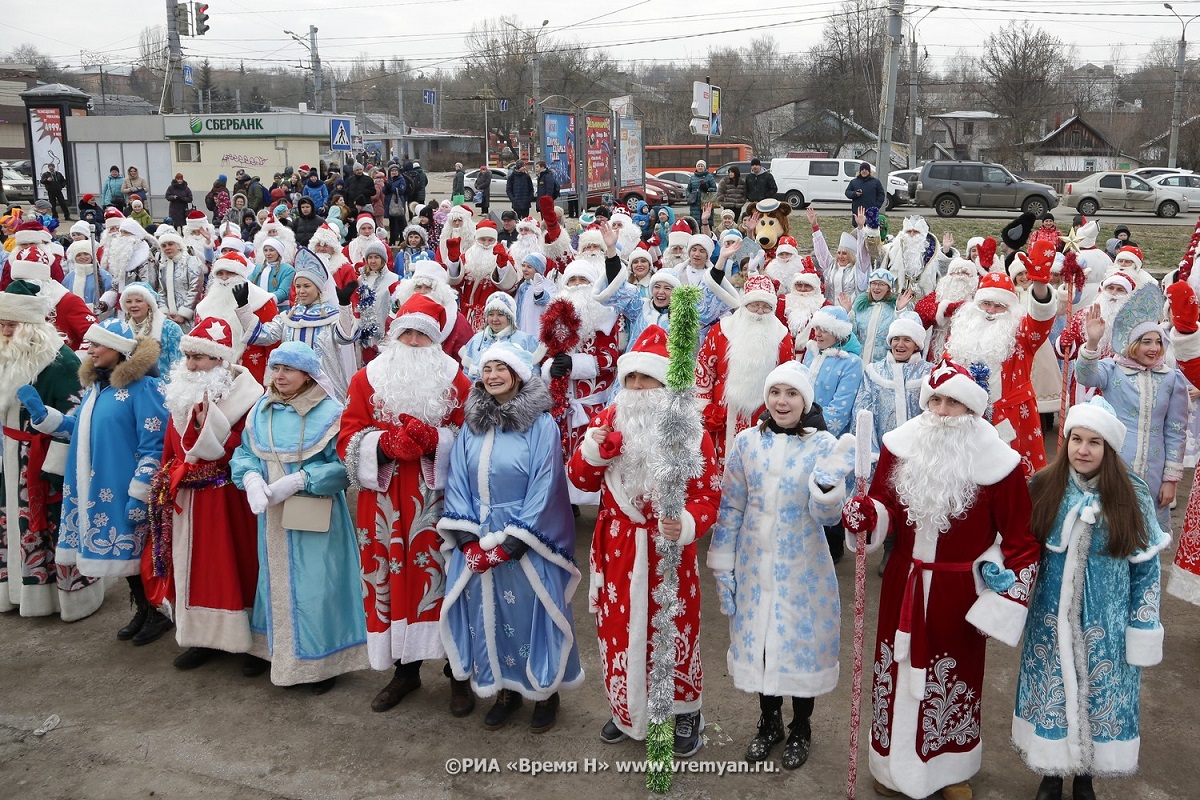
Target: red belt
[(37, 488), (912, 607)]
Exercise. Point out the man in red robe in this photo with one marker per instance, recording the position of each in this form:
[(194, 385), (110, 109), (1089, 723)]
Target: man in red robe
[(944, 487), (204, 536), (403, 412), (937, 308), (67, 311), (616, 458), (479, 270), (231, 297), (995, 339)]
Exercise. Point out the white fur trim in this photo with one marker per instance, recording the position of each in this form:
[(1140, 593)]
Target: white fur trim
[(52, 422), (960, 388), (139, 490), (1144, 646), (998, 617), (436, 467), (828, 322), (906, 326), (1094, 418), (105, 338), (994, 459), (646, 363), (687, 529), (834, 497), (590, 450), (723, 290), (372, 476), (995, 295), (1186, 345)]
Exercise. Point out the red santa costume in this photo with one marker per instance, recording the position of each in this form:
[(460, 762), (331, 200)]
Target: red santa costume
[(1003, 345), (199, 236), (628, 233), (406, 406), (962, 569), (204, 536), (1045, 373), (459, 225), (356, 250), (69, 313), (1129, 260), (675, 250), (557, 242), (429, 278), (623, 559), (34, 235), (220, 302), (1185, 340), (805, 299), (274, 229), (529, 240), (737, 355), (937, 308), (786, 264), (479, 270)]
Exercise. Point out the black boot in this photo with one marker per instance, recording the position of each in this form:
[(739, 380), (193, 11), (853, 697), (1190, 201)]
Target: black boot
[(253, 666), (155, 626), (1050, 788), (799, 745), (507, 702), (193, 657), (137, 599), (770, 733), (1081, 788), (545, 714), (835, 535)]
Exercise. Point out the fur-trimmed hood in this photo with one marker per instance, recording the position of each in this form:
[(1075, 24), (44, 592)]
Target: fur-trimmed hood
[(142, 362), (517, 415)]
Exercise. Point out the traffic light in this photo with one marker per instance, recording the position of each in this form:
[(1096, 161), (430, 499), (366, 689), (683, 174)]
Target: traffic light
[(532, 101), (182, 20), (201, 13)]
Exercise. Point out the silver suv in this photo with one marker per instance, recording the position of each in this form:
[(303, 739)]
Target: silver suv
[(947, 186)]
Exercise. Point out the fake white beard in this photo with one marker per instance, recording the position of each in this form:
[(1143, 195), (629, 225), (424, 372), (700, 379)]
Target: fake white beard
[(956, 288), (187, 388), (118, 254), (628, 236), (910, 253), (31, 349), (465, 231), (636, 419), (332, 262), (478, 263), (934, 481), (526, 244), (800, 308), (593, 315), (413, 381), (752, 353), (442, 293), (218, 301), (560, 248), (197, 244), (975, 338), (783, 271), (1109, 308), (358, 246), (670, 261)]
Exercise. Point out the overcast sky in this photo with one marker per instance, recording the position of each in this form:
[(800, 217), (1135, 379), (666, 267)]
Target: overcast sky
[(430, 33)]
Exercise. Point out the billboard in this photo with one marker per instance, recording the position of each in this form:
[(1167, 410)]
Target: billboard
[(633, 163), (558, 143), (599, 152), (46, 130)]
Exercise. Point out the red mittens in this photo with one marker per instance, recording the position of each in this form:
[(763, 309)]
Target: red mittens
[(409, 440), (859, 514), (423, 435), (476, 559), (454, 249), (1185, 310), (501, 254), (610, 448)]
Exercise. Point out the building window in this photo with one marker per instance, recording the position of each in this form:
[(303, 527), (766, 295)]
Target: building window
[(938, 136), (1090, 165), (187, 152), (968, 129)]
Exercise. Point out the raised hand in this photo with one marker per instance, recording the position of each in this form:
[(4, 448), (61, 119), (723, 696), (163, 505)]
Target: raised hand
[(811, 213), (904, 299), (1094, 326)]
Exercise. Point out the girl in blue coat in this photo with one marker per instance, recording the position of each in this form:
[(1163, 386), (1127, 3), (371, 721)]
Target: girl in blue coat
[(274, 274), (873, 311), (140, 309)]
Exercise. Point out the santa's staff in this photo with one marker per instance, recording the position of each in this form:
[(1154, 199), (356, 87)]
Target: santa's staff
[(1073, 278), (862, 475), (559, 336), (678, 461)]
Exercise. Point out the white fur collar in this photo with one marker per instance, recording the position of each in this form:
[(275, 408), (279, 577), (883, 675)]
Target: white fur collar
[(994, 459)]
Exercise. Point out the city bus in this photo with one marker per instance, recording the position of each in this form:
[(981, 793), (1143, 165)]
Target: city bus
[(683, 157)]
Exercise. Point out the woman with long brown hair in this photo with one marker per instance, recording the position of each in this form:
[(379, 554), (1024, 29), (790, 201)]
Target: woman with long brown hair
[(1094, 615)]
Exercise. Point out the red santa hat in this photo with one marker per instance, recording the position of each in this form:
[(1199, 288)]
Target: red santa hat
[(113, 218), (32, 233), (807, 276), (951, 380), (486, 229), (679, 234), (422, 314), (211, 336), (362, 219), (998, 288), (232, 262), (31, 263), (195, 221), (326, 235), (787, 245), (793, 374), (1119, 278), (648, 356), (591, 237), (1130, 253), (759, 288)]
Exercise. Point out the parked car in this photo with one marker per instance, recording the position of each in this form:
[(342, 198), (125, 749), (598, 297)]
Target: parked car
[(499, 183), (675, 175), (675, 193), (631, 197), (1187, 184), (947, 186), (23, 166), (1146, 173), (1119, 191), (17, 187), (803, 180), (909, 176)]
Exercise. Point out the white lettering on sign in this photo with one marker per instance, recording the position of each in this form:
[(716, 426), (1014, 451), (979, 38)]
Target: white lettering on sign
[(239, 158)]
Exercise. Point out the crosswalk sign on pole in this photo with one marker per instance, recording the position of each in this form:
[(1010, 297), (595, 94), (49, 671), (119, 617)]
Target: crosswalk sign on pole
[(339, 133), (187, 75)]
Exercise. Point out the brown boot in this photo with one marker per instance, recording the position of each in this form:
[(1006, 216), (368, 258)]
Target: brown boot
[(957, 791), (397, 689), (462, 699)]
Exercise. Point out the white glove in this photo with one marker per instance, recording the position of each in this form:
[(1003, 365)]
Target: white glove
[(286, 486), (258, 494), (539, 284)]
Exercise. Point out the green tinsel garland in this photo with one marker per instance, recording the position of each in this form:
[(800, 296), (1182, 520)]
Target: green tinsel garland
[(677, 462)]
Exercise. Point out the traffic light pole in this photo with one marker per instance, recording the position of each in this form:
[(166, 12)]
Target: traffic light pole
[(316, 66), (176, 57)]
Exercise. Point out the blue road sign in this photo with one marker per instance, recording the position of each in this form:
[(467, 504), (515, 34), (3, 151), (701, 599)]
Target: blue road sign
[(429, 97), (339, 134), (503, 105), (187, 76)]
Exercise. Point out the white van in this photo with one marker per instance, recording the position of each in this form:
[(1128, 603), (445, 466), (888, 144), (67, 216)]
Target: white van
[(804, 180)]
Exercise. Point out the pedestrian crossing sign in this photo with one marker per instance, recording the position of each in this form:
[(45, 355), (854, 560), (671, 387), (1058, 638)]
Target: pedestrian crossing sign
[(339, 133)]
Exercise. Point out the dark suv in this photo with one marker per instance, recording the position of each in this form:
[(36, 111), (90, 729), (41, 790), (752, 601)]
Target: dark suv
[(947, 186)]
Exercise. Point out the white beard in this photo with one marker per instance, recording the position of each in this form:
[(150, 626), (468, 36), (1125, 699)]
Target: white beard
[(783, 271), (1109, 308), (636, 419), (752, 353), (30, 350), (187, 388), (910, 254), (628, 236), (197, 244), (934, 481), (525, 244), (281, 232), (218, 302), (955, 289), (333, 262), (118, 254), (358, 246), (560, 248), (975, 338), (800, 309), (593, 315), (478, 263), (670, 261), (465, 231), (413, 381)]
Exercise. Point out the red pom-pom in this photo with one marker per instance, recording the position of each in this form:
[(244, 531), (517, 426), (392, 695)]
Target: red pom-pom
[(1072, 273)]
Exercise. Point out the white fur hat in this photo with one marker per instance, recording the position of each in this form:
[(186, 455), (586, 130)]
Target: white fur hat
[(590, 237), (131, 227), (848, 242), (518, 360), (974, 241), (679, 235), (82, 227), (704, 241), (580, 269), (908, 324), (170, 236), (835, 320), (951, 380), (233, 243), (1097, 415), (82, 246), (961, 266), (666, 276), (793, 374), (504, 303), (429, 270)]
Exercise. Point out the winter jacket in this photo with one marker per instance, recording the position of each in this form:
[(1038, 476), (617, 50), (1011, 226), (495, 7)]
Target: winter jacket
[(317, 192), (395, 186), (179, 196), (306, 225), (111, 194), (460, 182), (142, 218), (421, 181), (760, 186), (730, 194), (872, 195), (547, 184), (54, 183), (360, 189), (131, 185), (519, 189), (254, 195), (698, 184)]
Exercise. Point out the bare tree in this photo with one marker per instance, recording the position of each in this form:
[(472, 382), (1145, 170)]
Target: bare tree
[(47, 70)]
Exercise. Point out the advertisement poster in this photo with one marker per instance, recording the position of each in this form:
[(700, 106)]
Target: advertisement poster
[(633, 166), (558, 143), (46, 127), (599, 153)]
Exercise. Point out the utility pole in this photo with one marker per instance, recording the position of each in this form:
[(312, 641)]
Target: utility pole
[(175, 62), (333, 96), (913, 114), (1177, 99), (316, 68), (708, 136), (403, 126), (887, 102)]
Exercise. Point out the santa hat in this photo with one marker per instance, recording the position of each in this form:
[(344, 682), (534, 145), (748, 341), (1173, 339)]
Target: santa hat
[(30, 264), (114, 333), (81, 227), (951, 380), (835, 320), (1016, 233), (113, 218), (22, 302), (426, 270), (786, 245), (529, 225), (620, 215), (1097, 415), (1120, 278), (537, 261), (580, 269), (82, 246), (648, 356), (793, 374), (211, 336), (591, 237), (233, 243), (232, 262), (195, 221), (666, 276), (807, 276), (641, 251), (907, 324), (1086, 234), (504, 303), (422, 314), (759, 289), (486, 229), (704, 241), (882, 275), (364, 219), (848, 242), (31, 233), (517, 359), (170, 236), (1131, 253), (462, 211), (679, 234), (375, 246), (996, 287), (327, 236), (131, 227)]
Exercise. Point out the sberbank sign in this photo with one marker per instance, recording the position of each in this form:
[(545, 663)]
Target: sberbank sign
[(226, 124)]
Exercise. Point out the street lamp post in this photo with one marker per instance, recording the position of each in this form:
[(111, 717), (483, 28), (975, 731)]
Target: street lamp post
[(913, 75), (1177, 99), (536, 61)]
